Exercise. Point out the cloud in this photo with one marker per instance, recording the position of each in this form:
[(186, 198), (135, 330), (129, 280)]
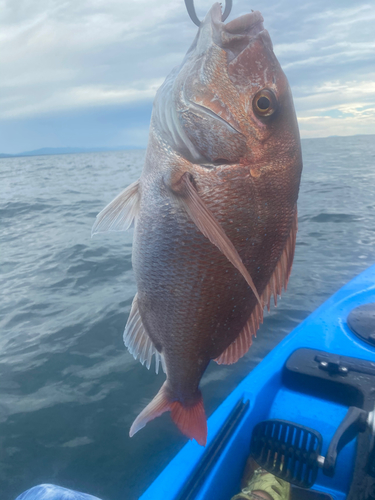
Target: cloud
[(74, 53), (63, 59), (337, 108), (75, 97)]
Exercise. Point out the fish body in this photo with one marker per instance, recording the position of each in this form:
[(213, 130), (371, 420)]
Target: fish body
[(214, 209)]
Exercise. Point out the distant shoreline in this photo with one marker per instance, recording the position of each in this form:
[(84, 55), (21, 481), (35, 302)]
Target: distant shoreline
[(68, 150)]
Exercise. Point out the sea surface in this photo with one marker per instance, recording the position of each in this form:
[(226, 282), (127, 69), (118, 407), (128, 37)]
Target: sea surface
[(69, 390)]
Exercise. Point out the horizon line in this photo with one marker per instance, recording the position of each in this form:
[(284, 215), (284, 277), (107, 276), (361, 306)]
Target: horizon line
[(52, 151)]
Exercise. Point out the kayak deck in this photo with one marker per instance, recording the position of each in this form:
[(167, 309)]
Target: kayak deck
[(216, 471)]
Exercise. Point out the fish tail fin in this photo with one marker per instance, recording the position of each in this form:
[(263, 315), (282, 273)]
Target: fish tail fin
[(159, 405), (191, 420)]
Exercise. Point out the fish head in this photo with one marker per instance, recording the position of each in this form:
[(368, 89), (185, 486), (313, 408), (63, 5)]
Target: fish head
[(229, 102)]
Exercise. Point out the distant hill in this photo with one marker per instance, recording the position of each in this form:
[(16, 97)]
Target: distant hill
[(63, 151)]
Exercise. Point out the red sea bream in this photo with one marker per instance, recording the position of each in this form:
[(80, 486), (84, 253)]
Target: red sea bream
[(214, 212)]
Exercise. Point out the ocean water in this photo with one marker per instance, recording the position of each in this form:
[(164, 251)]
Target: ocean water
[(69, 390)]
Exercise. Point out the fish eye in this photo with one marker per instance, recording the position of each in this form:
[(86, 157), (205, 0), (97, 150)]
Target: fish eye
[(264, 103)]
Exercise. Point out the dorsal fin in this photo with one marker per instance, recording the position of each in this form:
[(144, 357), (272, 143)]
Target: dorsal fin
[(120, 213), (138, 342), (206, 222), (278, 280)]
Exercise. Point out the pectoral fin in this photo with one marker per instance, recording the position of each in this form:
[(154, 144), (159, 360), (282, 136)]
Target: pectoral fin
[(206, 222), (120, 213)]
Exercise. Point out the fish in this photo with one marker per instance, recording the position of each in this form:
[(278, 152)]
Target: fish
[(214, 212)]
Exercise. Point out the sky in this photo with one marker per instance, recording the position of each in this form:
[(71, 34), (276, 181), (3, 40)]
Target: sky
[(83, 73)]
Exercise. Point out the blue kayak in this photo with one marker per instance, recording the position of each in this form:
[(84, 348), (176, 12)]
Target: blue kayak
[(305, 413)]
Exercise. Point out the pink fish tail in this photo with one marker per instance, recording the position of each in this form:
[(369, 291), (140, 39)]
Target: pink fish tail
[(191, 420)]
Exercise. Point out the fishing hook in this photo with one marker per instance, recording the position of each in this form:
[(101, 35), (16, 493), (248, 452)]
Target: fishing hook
[(193, 16)]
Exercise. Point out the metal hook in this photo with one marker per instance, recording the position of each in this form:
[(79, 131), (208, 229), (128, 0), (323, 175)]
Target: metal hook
[(193, 16)]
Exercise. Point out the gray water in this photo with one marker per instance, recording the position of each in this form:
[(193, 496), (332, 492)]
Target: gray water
[(69, 390)]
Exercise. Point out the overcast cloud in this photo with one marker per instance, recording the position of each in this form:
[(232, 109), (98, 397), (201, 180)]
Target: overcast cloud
[(85, 72)]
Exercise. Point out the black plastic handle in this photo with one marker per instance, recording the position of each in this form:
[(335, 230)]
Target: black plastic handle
[(354, 422)]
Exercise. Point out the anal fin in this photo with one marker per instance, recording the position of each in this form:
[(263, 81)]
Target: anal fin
[(120, 213), (138, 342), (278, 280)]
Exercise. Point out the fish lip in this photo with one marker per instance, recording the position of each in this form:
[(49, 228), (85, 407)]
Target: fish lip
[(235, 35), (238, 26), (246, 24)]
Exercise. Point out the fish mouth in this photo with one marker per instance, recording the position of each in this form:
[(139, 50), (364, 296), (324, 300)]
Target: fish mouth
[(235, 35), (249, 24)]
